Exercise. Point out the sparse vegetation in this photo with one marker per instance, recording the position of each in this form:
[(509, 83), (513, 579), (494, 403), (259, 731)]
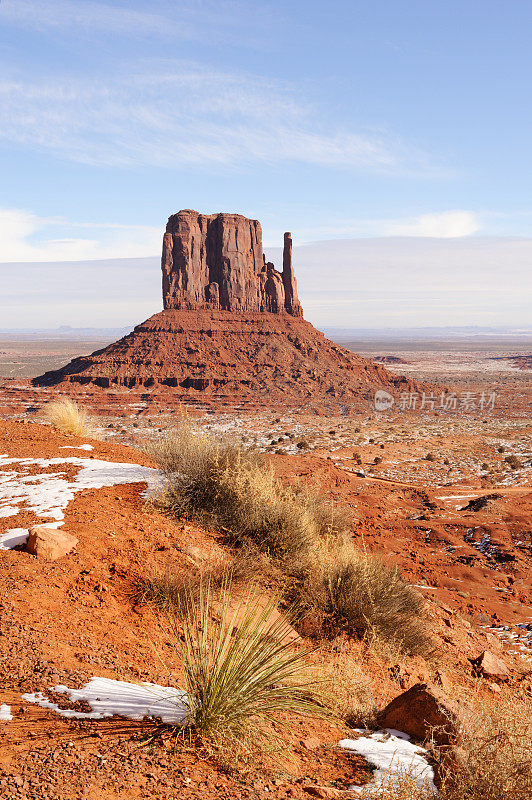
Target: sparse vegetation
[(239, 663), (347, 689), (300, 538), (68, 417), (430, 457), (235, 491), (492, 759), (359, 593), (513, 462)]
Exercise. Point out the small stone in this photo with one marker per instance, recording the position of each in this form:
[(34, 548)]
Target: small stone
[(310, 743), (490, 666), (326, 792), (49, 543)]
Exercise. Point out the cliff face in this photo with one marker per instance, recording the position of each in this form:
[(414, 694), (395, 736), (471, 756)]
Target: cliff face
[(232, 326), (215, 261)]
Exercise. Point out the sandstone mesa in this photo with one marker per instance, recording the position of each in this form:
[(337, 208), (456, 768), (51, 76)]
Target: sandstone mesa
[(231, 324)]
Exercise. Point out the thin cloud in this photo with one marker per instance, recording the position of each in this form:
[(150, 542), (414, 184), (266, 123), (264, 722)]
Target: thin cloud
[(445, 225), (24, 237), (186, 116), (175, 20)]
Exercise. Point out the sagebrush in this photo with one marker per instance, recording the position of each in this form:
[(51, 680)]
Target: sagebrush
[(299, 541)]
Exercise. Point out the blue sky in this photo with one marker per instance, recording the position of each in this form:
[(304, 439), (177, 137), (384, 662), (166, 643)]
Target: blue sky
[(389, 120)]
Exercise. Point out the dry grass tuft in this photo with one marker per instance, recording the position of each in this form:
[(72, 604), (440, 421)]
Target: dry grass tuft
[(346, 689), (221, 484), (492, 759), (360, 594), (240, 666), (68, 417)]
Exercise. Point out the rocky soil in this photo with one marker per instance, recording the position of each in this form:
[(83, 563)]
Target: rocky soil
[(459, 532)]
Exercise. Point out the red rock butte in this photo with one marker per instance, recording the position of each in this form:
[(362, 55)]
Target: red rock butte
[(232, 325)]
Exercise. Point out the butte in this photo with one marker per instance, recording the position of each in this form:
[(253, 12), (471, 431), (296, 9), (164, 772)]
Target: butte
[(232, 327)]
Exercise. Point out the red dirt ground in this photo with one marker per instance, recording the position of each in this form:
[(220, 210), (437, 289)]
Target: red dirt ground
[(65, 621)]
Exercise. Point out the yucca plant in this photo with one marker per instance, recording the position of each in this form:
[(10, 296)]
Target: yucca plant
[(239, 662)]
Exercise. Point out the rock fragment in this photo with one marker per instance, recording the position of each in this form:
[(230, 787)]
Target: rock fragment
[(422, 711), (490, 666), (49, 543)]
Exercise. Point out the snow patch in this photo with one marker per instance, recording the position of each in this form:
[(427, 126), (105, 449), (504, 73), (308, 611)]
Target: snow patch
[(107, 697), (47, 494), (76, 447), (5, 713), (395, 758), (8, 511)]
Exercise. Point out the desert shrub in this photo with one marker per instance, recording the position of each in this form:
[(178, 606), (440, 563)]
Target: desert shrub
[(345, 689), (361, 594), (68, 417), (513, 462), (492, 758), (235, 491), (331, 517), (430, 457), (300, 542), (357, 458), (239, 663), (303, 444), (377, 460)]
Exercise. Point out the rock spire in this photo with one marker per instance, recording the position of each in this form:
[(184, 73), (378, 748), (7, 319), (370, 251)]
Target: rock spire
[(216, 262)]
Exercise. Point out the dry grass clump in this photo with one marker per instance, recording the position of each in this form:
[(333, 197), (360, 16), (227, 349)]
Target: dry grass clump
[(162, 588), (235, 491), (514, 462), (361, 594), (346, 689), (240, 666), (492, 759), (68, 417)]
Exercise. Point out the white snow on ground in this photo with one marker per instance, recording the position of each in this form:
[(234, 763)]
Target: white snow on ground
[(13, 538), (395, 758), (8, 511), (107, 697), (47, 494), (5, 713), (76, 447)]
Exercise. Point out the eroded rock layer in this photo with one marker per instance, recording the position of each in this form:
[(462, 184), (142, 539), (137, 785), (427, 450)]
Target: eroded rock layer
[(231, 353)]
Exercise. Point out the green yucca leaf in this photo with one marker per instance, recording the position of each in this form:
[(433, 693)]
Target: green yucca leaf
[(239, 661)]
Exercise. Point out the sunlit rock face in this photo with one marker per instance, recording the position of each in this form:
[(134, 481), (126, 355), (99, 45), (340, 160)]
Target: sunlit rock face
[(215, 261)]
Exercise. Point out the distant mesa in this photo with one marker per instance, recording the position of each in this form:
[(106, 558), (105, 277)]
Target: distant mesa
[(389, 360), (232, 325)]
